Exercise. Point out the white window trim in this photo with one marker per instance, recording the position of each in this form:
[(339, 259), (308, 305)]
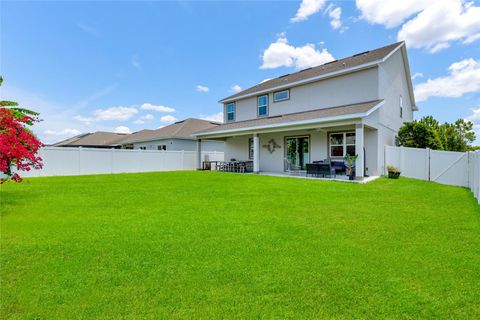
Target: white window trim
[(280, 100), (258, 106), (233, 112), (344, 144)]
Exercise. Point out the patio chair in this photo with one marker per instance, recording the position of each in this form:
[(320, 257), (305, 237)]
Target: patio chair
[(325, 169), (292, 168), (312, 168)]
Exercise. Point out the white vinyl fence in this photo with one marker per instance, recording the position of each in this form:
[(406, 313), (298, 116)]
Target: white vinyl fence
[(446, 167), (58, 161)]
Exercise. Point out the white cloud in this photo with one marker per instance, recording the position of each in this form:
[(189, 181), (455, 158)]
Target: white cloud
[(236, 88), (475, 116), (432, 24), (135, 61), (265, 80), (56, 116), (441, 23), (417, 75), (88, 121), (168, 119), (282, 54), (390, 13), (307, 8), (159, 108), (88, 29), (64, 132), (141, 120), (114, 113), (122, 129), (217, 117), (109, 114), (335, 13), (464, 78), (201, 88)]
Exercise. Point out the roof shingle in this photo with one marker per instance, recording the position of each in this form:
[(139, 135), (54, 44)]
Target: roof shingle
[(336, 65), (95, 139)]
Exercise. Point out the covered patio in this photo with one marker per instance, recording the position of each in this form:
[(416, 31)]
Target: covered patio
[(291, 146)]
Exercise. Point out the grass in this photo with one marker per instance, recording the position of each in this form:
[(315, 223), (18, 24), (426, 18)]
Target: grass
[(218, 245)]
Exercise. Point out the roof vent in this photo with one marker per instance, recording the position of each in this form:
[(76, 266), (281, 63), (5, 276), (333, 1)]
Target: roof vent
[(285, 75), (305, 69), (359, 54), (330, 62), (344, 64)]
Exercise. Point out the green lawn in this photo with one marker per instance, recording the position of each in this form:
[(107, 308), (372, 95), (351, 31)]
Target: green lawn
[(218, 245)]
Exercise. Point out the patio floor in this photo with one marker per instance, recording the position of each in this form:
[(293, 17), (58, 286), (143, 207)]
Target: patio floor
[(303, 175)]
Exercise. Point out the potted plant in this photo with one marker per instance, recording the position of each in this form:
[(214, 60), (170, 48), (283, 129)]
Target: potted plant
[(349, 163), (393, 172)]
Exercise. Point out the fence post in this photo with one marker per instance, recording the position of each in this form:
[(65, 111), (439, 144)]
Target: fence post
[(401, 159), (79, 160), (428, 163), (112, 157), (183, 160)]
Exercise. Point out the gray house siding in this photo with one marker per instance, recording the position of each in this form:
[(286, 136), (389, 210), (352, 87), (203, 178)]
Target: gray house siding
[(351, 88), (181, 144)]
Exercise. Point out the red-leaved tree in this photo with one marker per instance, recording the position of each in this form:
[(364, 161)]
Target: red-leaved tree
[(18, 145)]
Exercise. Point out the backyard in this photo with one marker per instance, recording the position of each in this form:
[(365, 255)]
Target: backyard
[(215, 245)]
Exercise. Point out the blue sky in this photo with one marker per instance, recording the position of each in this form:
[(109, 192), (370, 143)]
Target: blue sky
[(127, 66)]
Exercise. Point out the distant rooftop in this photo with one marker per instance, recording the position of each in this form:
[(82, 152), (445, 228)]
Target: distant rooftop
[(178, 130), (94, 139)]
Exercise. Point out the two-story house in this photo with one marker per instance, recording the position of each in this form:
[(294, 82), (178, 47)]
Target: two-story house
[(354, 105)]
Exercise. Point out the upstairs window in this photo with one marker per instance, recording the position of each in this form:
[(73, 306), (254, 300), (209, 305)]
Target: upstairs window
[(262, 106), (161, 147), (231, 111), (281, 95)]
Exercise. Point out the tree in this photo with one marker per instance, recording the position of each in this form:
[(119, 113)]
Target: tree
[(429, 133), (419, 135), (18, 145), (457, 136)]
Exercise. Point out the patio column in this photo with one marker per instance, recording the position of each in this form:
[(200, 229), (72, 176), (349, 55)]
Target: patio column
[(359, 151), (256, 153), (199, 153)]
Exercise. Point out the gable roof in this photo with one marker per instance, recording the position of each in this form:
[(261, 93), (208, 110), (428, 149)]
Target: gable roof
[(178, 130), (98, 139), (357, 61), (351, 111)]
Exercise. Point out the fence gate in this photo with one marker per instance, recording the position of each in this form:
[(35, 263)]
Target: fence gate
[(449, 167)]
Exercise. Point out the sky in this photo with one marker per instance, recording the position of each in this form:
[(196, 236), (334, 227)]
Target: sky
[(125, 66)]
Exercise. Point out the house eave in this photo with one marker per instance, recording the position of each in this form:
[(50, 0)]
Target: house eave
[(322, 120)]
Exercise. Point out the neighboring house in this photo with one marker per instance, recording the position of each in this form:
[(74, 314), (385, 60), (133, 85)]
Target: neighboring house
[(99, 139), (345, 106), (177, 136)]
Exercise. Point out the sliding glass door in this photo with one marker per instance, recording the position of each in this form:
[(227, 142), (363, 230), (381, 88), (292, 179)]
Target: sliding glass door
[(297, 152)]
